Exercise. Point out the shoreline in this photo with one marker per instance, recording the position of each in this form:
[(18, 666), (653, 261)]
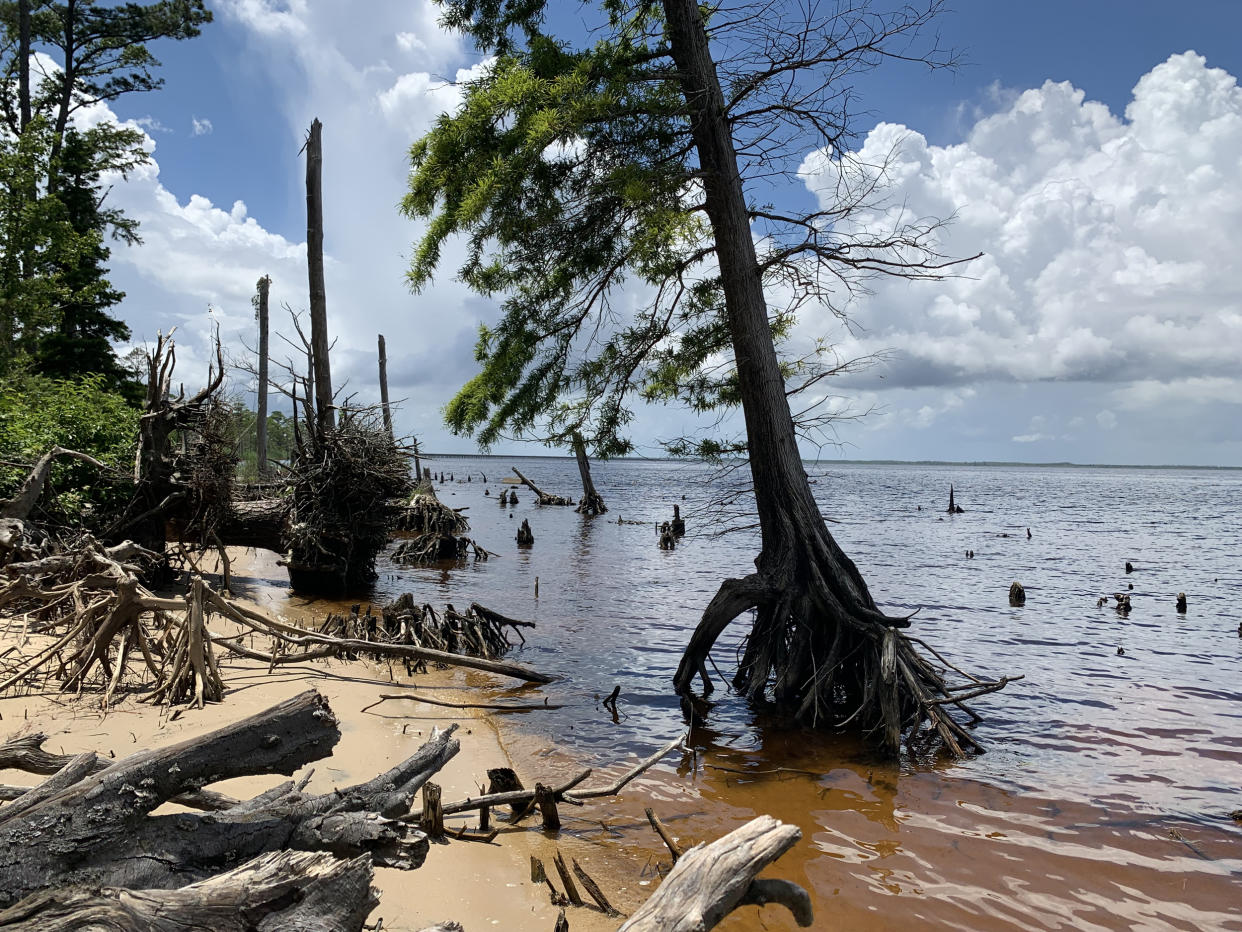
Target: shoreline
[(480, 885)]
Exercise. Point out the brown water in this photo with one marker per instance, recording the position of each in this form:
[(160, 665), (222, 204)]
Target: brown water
[(1103, 800)]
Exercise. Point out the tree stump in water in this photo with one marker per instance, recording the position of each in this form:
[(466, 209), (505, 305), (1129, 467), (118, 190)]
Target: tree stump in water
[(678, 526), (591, 503), (668, 540), (954, 508), (1017, 595), (524, 535), (1181, 602)]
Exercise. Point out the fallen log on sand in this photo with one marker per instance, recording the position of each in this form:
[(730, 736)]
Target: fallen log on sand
[(315, 892), (79, 828), (25, 752)]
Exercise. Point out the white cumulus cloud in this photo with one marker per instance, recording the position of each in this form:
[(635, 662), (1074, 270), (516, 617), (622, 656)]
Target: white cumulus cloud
[(1109, 241)]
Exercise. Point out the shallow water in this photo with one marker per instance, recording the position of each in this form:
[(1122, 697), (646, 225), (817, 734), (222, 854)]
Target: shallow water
[(1103, 799)]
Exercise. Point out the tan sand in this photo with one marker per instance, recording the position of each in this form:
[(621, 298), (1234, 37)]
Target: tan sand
[(480, 885)]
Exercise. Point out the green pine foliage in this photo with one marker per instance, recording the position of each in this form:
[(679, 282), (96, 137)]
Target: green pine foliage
[(55, 299), (569, 175)]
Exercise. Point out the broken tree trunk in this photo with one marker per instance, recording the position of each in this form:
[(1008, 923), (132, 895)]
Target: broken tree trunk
[(383, 387), (20, 505), (98, 829), (591, 502), (542, 497), (260, 446), (325, 417), (309, 891), (710, 881)]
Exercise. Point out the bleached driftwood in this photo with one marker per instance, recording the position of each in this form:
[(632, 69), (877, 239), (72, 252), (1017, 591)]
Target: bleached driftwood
[(711, 880)]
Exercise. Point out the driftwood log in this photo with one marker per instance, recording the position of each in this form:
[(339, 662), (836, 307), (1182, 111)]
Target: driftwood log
[(542, 497), (96, 829), (312, 892), (711, 880)]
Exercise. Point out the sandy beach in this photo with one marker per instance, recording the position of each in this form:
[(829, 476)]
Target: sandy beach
[(479, 885)]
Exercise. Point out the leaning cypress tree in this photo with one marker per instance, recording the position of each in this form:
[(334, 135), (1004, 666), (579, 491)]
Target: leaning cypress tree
[(612, 196)]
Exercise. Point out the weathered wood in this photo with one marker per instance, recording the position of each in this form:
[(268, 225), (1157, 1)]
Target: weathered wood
[(546, 800), (444, 703), (325, 417), (260, 446), (665, 837), (383, 387), (591, 503), (252, 617), (21, 504), (433, 814), (26, 753), (592, 888), (542, 497), (711, 880), (307, 891), (567, 880), (99, 829)]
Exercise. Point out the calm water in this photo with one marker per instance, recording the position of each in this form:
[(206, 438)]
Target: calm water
[(1103, 799)]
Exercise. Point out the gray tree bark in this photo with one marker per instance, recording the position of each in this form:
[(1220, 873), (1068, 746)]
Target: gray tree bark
[(325, 417), (98, 829), (383, 384), (264, 286)]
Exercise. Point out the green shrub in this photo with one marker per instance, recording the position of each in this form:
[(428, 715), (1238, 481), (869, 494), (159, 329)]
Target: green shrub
[(37, 413)]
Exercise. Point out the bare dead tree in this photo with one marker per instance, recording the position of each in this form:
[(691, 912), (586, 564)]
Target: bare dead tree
[(318, 293), (264, 285)]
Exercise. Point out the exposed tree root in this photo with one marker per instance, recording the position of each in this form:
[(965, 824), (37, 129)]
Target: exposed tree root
[(438, 532), (820, 648)]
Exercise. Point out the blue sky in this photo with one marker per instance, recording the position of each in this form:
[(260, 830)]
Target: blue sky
[(1104, 325)]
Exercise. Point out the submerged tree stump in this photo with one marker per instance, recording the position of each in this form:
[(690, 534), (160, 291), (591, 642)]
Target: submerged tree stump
[(677, 525), (525, 537), (591, 503), (1017, 595)]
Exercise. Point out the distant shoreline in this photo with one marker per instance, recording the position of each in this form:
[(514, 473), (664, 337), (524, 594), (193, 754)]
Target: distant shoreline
[(823, 463)]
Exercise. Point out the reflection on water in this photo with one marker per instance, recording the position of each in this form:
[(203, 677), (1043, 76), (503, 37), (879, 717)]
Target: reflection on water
[(1103, 800)]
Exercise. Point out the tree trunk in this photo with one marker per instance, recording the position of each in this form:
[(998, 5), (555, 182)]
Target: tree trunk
[(383, 385), (318, 294), (591, 502), (98, 829), (818, 639), (313, 892), (23, 64), (261, 403), (69, 77)]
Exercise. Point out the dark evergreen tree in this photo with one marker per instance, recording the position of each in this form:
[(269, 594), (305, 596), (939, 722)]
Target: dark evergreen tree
[(80, 342)]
